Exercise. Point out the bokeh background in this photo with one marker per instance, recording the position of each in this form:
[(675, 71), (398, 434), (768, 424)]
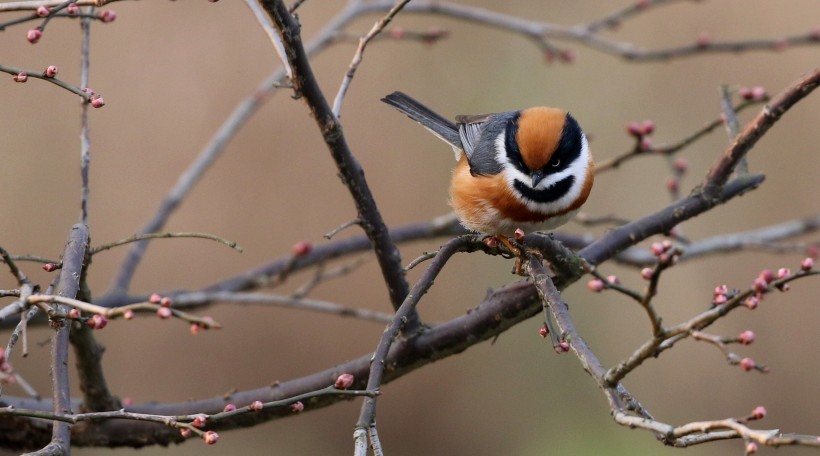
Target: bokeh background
[(171, 72)]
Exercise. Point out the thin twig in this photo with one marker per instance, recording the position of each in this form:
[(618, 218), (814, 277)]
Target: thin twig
[(359, 55), (142, 237)]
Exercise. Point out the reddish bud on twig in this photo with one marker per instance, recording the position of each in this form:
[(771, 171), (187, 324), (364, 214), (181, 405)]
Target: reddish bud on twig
[(229, 408), (297, 407), (647, 127), (128, 315), (165, 301), (758, 413), (807, 264), (596, 285), (185, 432), (195, 327), (97, 101), (672, 184), (562, 347), (256, 406), (301, 248), (74, 314), (703, 40), (634, 129), (544, 331), (97, 322), (107, 16), (613, 280), (34, 35), (48, 267), (23, 77), (491, 242), (782, 273), (200, 421), (519, 234), (719, 300), (680, 164), (759, 285), (751, 448), (72, 9), (751, 302), (51, 71), (647, 273), (155, 298), (746, 337), (164, 313), (767, 275), (211, 437), (747, 364), (43, 11), (344, 381)]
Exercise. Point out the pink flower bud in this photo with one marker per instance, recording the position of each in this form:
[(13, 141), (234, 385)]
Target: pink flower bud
[(185, 432), (211, 437), (519, 234), (164, 313), (43, 11), (657, 248), (229, 408), (751, 302), (128, 315), (23, 77), (544, 330), (634, 129), (647, 127), (97, 322), (721, 290), (562, 347), (301, 248), (758, 93), (165, 301), (807, 264), (759, 285), (747, 364), (767, 275), (782, 273), (703, 40), (746, 337), (97, 101), (672, 184), (155, 298), (87, 90), (719, 300), (680, 164), (758, 413), (751, 448), (34, 35), (72, 9), (48, 267), (297, 407), (195, 327), (596, 285), (107, 16), (126, 401), (256, 406), (613, 280), (74, 314), (51, 71), (344, 381), (645, 144), (647, 273), (199, 421)]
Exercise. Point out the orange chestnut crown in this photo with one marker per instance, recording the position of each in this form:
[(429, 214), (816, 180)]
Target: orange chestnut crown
[(529, 169)]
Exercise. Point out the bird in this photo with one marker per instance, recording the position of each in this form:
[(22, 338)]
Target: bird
[(529, 169)]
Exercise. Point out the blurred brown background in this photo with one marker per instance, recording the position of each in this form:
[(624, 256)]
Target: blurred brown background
[(171, 72)]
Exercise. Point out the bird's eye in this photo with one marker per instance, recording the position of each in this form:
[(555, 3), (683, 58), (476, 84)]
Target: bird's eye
[(555, 163)]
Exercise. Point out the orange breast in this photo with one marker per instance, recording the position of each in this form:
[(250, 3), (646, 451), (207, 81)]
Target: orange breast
[(486, 203)]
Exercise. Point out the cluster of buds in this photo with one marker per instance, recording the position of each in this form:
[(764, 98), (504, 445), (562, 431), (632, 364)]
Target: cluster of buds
[(666, 252), (597, 285), (641, 131), (720, 295), (164, 312)]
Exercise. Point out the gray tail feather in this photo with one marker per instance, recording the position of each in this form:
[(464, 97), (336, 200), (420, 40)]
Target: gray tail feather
[(438, 125)]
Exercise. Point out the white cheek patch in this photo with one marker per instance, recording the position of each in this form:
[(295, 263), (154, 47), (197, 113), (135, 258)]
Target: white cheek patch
[(578, 168)]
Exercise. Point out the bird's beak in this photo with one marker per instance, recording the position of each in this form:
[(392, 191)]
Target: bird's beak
[(537, 176)]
